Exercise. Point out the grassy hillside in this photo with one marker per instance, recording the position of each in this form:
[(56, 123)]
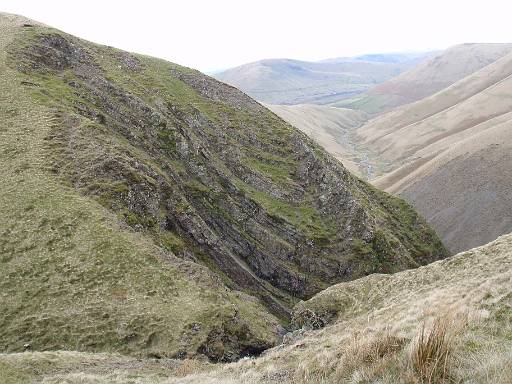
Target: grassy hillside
[(150, 210), (285, 81), (428, 77), (73, 275), (448, 322)]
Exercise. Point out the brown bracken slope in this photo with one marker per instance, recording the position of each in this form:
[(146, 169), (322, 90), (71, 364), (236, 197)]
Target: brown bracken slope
[(450, 156)]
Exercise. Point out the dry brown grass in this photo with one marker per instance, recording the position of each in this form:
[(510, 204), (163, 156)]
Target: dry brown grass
[(438, 353), (190, 366), (362, 356), (432, 352), (368, 351)]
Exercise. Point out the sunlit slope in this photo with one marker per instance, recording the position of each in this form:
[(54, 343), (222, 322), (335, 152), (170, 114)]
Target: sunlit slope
[(449, 155)]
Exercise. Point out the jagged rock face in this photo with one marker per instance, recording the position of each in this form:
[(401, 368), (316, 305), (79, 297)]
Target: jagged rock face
[(212, 175)]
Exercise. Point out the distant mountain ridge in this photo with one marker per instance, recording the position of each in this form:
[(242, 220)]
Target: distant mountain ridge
[(398, 57), (428, 77), (286, 81)]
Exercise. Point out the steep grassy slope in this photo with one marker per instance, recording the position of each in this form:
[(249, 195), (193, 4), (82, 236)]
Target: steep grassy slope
[(74, 276), (332, 128), (141, 197), (285, 81), (454, 144), (448, 322), (429, 77)]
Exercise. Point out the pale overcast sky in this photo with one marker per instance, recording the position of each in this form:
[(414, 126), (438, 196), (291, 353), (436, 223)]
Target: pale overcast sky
[(210, 35)]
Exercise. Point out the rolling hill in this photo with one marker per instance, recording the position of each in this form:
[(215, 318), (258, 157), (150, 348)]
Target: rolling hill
[(285, 81), (428, 77), (150, 210)]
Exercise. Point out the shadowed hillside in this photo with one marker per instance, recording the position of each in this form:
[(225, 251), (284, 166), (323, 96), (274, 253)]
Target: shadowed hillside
[(332, 128)]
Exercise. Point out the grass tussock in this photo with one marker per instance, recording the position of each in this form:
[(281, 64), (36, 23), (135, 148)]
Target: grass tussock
[(433, 349), (432, 352), (431, 356), (369, 351)]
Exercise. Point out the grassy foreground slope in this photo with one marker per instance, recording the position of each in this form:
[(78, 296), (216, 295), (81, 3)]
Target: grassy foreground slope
[(447, 322), (141, 198)]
